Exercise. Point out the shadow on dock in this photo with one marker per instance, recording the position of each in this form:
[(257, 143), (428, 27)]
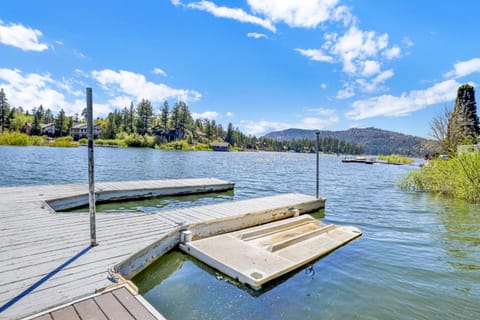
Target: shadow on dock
[(43, 279)]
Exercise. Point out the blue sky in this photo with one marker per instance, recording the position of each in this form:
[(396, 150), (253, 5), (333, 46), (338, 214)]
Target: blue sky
[(263, 65)]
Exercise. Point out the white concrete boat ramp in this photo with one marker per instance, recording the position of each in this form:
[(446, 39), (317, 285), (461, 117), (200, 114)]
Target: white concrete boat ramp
[(46, 260)]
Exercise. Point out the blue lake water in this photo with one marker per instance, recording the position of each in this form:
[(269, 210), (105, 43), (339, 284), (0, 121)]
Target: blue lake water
[(419, 257)]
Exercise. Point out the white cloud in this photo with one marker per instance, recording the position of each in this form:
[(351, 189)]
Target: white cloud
[(79, 55), (356, 45), (120, 102), (231, 13), (136, 86), (305, 13), (375, 84), (318, 118), (32, 90), (22, 37), (160, 72), (212, 115), (230, 114), (343, 13), (258, 128), (323, 86), (370, 68), (408, 42), (392, 53), (385, 75), (464, 68), (256, 35), (315, 55), (359, 51), (406, 103), (347, 91)]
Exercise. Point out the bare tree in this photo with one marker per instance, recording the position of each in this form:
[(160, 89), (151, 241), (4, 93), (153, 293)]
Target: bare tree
[(439, 129)]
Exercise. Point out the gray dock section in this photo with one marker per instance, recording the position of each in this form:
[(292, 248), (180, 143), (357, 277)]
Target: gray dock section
[(119, 303), (45, 258)]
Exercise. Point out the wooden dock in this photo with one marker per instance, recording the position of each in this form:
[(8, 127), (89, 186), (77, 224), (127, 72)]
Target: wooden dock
[(45, 257), (119, 303)]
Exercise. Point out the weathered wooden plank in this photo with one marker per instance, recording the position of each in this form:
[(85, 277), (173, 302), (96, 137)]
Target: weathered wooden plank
[(133, 306), (67, 313), (112, 307), (44, 317), (88, 309)]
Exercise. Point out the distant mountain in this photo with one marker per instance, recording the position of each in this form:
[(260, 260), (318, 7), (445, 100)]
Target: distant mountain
[(375, 141)]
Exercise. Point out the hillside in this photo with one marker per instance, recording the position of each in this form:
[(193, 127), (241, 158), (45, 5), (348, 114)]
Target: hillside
[(375, 141)]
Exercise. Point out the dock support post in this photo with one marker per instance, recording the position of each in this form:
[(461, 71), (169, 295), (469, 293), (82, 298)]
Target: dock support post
[(91, 171), (318, 160)]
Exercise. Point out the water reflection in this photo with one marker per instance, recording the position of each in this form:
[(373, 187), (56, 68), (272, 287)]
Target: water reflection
[(461, 232), (157, 204)]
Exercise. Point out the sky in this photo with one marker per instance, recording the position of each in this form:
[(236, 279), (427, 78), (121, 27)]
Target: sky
[(263, 65)]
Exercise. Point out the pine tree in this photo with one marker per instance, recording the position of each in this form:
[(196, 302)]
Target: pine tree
[(229, 137), (3, 110), (60, 124), (36, 128), (144, 120), (463, 124), (185, 121), (164, 116)]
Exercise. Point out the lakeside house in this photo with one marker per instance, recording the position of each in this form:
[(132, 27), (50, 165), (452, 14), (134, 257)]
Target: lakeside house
[(220, 146), (48, 129), (79, 131)]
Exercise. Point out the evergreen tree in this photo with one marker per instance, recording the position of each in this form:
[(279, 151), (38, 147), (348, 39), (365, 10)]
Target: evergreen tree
[(110, 129), (48, 117), (463, 124), (3, 110), (229, 137), (144, 120), (61, 124), (36, 128), (132, 116), (185, 121), (175, 116), (164, 115)]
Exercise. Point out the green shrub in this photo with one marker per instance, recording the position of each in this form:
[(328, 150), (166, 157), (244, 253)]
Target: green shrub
[(14, 139), (396, 158), (175, 145), (458, 177), (64, 142), (202, 147)]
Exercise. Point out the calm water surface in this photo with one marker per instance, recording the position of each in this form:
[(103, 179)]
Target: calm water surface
[(419, 257)]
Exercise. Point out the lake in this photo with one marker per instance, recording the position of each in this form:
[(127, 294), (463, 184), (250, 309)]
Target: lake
[(418, 258)]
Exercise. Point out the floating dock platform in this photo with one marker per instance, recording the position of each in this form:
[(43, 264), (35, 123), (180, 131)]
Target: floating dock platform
[(46, 260), (257, 255)]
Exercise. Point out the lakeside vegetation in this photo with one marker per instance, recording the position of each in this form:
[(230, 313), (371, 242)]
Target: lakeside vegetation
[(12, 138), (396, 158), (457, 175), (139, 126)]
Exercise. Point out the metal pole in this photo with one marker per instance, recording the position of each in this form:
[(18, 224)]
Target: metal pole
[(318, 161), (91, 172)]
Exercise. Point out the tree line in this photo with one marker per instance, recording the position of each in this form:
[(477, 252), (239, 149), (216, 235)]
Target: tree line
[(170, 123)]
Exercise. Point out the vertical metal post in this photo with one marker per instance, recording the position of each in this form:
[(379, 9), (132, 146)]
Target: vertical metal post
[(318, 161), (91, 171)]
